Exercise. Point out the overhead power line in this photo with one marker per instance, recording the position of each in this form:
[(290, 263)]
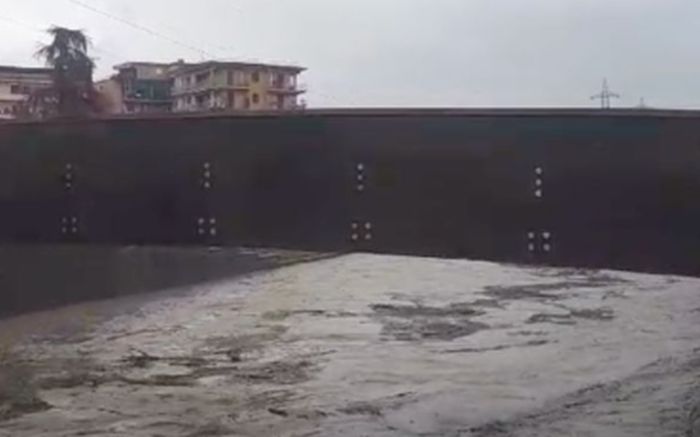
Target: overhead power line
[(200, 43), (143, 28), (22, 24), (42, 30)]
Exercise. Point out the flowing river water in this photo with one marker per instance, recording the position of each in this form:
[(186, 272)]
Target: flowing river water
[(367, 345)]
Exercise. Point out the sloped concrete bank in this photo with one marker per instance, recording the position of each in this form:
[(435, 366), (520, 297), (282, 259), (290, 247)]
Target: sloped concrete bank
[(36, 277)]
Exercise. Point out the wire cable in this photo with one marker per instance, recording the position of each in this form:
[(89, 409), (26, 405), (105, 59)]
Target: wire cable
[(42, 30), (143, 28)]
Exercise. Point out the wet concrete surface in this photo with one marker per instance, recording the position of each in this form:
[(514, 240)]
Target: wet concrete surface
[(35, 277), (366, 345)]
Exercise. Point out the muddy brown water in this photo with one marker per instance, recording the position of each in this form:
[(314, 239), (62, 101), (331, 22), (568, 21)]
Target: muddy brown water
[(366, 345)]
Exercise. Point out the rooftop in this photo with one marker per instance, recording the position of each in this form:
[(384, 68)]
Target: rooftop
[(147, 64), (24, 70), (194, 67)]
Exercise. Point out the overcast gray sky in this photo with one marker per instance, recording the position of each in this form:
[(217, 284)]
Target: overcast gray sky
[(404, 52)]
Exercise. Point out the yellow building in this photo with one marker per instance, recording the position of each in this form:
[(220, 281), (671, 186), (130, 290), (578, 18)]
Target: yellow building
[(222, 86)]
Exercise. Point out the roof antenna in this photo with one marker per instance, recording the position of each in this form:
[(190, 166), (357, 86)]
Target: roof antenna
[(605, 95)]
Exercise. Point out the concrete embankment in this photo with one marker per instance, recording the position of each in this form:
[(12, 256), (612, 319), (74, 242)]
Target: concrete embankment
[(41, 277)]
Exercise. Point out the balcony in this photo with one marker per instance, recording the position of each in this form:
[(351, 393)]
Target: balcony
[(286, 88), (191, 88), (8, 97), (239, 85), (197, 88), (148, 96)]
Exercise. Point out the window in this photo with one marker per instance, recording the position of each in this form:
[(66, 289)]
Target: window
[(246, 104), (230, 78), (231, 100), (14, 89), (256, 76), (202, 77), (256, 98)]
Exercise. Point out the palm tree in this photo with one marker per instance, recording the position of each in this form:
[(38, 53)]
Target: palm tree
[(72, 92)]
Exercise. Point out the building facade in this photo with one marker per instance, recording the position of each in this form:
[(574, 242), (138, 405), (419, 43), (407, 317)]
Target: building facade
[(110, 96), (17, 84), (236, 86), (139, 87)]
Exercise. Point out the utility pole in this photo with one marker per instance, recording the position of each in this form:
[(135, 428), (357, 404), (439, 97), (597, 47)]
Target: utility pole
[(605, 95)]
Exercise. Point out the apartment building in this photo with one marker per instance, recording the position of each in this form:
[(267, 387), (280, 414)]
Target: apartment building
[(139, 87), (236, 86), (17, 84)]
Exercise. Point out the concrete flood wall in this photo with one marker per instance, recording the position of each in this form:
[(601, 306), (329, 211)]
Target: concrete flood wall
[(580, 188), (35, 277), (41, 276)]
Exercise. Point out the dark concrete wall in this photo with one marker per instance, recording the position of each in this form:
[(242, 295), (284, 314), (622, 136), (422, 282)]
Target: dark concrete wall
[(34, 277), (619, 190)]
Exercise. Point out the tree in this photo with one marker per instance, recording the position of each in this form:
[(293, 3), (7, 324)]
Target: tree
[(72, 93)]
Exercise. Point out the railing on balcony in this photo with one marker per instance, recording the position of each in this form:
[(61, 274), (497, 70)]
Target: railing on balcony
[(288, 87)]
